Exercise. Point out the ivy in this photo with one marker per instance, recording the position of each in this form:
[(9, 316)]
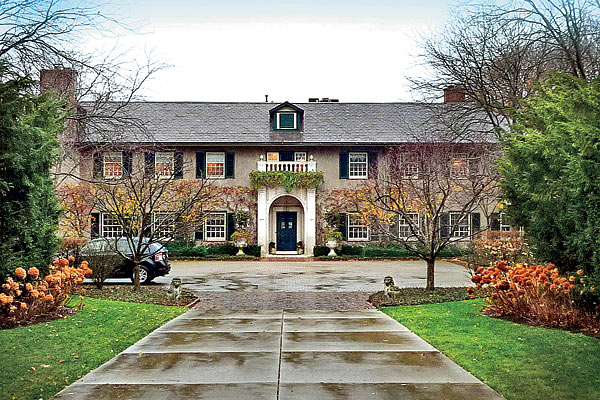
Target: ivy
[(289, 180)]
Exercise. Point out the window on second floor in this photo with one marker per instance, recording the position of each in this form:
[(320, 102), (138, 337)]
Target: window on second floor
[(358, 165), (113, 165), (215, 165), (164, 164)]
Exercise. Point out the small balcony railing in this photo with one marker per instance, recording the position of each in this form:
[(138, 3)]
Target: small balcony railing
[(287, 166)]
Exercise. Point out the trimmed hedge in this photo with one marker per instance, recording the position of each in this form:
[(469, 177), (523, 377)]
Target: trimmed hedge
[(383, 252), (180, 250)]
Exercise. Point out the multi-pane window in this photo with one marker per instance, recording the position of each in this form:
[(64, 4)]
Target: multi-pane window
[(459, 224), (286, 120), (113, 165), (357, 230), (110, 226), (459, 166), (410, 166), (215, 165), (214, 226), (404, 225), (358, 165), (164, 225), (300, 156), (164, 164), (503, 220)]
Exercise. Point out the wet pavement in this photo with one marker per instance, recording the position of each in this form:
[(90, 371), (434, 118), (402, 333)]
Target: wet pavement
[(310, 276), (276, 354)]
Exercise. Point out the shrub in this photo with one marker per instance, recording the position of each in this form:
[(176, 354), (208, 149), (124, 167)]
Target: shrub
[(28, 295), (537, 294), (103, 265), (491, 247)]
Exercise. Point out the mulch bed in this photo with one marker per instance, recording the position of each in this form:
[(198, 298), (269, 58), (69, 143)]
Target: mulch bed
[(416, 296), (147, 294), (60, 312)]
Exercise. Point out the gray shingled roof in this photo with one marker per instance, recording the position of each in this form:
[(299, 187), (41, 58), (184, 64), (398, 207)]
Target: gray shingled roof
[(324, 123)]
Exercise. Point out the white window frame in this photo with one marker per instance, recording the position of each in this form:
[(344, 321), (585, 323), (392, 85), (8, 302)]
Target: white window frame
[(403, 224), (165, 154), (163, 231), (366, 163), (502, 227), (116, 155), (457, 227), (213, 153), (463, 164), (360, 237), (116, 230), (219, 238), (300, 153), (410, 166), (287, 113)]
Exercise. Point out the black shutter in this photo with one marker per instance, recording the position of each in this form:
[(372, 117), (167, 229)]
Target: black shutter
[(200, 164), (444, 225), (372, 165), (475, 223), (199, 232), (343, 227), (178, 165), (230, 225), (229, 165), (127, 160), (495, 222), (344, 165), (95, 225), (286, 156), (97, 167), (149, 165)]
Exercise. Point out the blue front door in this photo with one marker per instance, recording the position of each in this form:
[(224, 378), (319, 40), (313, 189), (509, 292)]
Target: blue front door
[(286, 231)]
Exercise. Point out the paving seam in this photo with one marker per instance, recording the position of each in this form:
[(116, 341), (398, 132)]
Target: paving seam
[(280, 353)]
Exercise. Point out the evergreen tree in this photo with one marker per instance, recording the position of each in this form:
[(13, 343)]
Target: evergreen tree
[(29, 127)]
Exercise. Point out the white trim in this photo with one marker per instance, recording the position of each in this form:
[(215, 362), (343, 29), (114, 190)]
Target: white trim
[(297, 153), (368, 238), (216, 239), (119, 229), (163, 227), (452, 227), (169, 154), (222, 176), (116, 155), (501, 225), (295, 114), (366, 162), (417, 225)]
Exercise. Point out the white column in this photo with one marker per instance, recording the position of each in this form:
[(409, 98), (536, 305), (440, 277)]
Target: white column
[(310, 221), (263, 222)]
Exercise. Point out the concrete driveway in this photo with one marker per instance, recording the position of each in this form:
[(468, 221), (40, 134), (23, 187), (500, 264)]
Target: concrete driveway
[(312, 276), (275, 354)]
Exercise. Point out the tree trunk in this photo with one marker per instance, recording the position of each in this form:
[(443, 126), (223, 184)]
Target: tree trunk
[(136, 273), (430, 274)]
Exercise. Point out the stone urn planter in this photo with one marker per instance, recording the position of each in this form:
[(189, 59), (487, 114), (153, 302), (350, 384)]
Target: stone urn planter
[(240, 245), (332, 245)]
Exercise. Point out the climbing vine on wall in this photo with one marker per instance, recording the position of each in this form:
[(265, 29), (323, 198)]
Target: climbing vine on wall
[(289, 180)]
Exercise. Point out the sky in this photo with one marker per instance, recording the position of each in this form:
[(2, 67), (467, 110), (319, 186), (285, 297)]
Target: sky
[(233, 50)]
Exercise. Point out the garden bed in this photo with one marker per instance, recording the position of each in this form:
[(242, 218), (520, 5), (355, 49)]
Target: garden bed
[(521, 362), (416, 296), (147, 294)]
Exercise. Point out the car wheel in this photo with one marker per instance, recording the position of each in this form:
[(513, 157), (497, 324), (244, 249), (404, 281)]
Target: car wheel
[(145, 276)]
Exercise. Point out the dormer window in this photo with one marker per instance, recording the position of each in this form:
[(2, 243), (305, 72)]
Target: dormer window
[(287, 117), (287, 120)]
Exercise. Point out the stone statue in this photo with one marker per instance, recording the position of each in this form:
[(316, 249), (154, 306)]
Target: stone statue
[(174, 291), (390, 289)]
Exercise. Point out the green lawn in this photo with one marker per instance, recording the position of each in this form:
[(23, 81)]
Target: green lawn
[(38, 361), (519, 361)]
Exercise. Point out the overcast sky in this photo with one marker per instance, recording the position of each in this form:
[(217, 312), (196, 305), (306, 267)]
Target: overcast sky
[(227, 50)]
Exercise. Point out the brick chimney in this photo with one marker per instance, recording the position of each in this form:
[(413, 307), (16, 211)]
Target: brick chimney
[(454, 94), (61, 80)]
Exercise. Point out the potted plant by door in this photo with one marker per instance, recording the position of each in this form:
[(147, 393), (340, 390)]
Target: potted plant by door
[(241, 239), (332, 241), (300, 247)]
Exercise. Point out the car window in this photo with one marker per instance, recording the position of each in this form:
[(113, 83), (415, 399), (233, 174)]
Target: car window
[(154, 248), (123, 246), (93, 247)]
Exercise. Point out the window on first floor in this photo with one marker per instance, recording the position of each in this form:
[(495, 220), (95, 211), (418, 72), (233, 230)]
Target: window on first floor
[(459, 224), (113, 165), (358, 165), (110, 227), (163, 225), (214, 227), (215, 165), (404, 225), (357, 229)]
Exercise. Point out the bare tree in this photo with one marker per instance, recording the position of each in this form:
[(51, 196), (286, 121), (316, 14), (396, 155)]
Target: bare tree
[(429, 195), (496, 52), (147, 200)]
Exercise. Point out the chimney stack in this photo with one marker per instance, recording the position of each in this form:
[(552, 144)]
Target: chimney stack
[(61, 80), (454, 94)]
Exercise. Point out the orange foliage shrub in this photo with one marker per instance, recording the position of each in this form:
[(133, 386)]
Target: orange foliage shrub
[(538, 295), (27, 296)]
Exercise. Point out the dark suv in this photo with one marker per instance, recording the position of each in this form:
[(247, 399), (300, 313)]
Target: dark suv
[(155, 264)]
